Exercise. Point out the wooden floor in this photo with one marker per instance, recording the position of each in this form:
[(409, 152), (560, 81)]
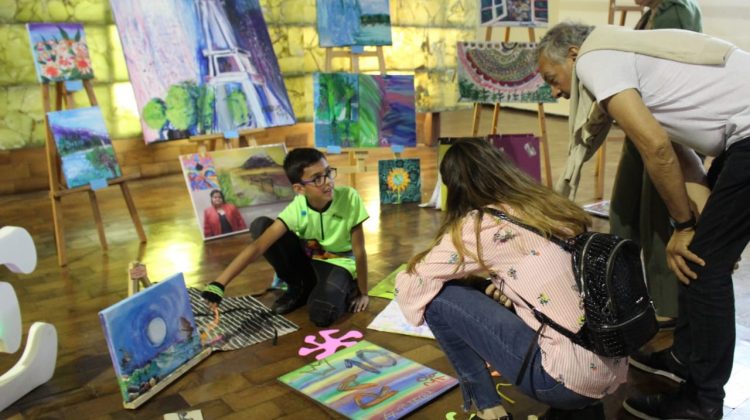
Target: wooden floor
[(242, 384)]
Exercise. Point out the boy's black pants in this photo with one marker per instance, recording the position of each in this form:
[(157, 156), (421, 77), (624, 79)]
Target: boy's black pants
[(329, 287)]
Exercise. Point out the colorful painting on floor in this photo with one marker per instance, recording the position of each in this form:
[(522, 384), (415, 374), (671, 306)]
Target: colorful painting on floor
[(400, 181), (366, 381), (530, 13), (353, 110), (150, 335), (343, 23), (523, 150), (60, 52), (200, 67), (496, 72), (392, 320), (230, 188), (84, 146)]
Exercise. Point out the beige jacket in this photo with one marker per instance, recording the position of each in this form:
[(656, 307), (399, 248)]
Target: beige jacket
[(589, 124)]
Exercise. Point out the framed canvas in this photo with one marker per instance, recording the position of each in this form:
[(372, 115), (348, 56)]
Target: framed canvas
[(392, 320), (353, 110), (400, 181), (201, 67), (598, 208), (230, 188), (150, 335), (366, 381), (530, 13), (523, 150), (84, 146), (494, 72), (343, 23), (60, 52)]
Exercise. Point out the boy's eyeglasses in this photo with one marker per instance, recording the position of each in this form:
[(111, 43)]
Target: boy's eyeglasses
[(319, 180)]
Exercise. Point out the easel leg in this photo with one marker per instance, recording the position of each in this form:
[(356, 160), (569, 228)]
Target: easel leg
[(545, 145), (381, 60), (477, 117), (59, 232), (352, 176), (495, 118), (98, 219), (133, 211), (601, 161)]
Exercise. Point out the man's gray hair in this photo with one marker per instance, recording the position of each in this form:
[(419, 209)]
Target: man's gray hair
[(562, 36)]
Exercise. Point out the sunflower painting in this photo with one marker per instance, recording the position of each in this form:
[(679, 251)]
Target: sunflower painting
[(400, 181)]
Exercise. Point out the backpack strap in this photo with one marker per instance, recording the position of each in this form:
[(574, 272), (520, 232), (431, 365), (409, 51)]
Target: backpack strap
[(504, 216)]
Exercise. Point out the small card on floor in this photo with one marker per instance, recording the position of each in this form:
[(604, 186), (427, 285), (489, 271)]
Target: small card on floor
[(184, 415)]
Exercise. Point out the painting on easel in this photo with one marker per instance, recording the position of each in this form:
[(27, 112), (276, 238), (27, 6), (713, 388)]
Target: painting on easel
[(84, 146), (366, 381), (150, 335), (343, 23), (230, 188), (494, 72), (201, 67), (60, 52), (353, 110), (400, 181), (530, 13)]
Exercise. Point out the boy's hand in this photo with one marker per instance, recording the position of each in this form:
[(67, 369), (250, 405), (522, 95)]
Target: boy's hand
[(213, 293), (359, 303)]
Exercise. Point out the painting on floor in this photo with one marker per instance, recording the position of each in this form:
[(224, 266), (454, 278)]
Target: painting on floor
[(392, 320), (230, 188), (366, 381), (150, 335), (400, 181), (343, 23), (530, 13), (84, 146), (201, 66), (60, 52), (495, 72), (353, 110)]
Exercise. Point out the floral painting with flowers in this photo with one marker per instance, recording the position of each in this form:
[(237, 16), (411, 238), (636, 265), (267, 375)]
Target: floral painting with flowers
[(400, 181), (60, 52)]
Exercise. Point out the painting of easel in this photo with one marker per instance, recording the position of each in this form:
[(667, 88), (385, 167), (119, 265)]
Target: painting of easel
[(152, 339), (60, 52), (201, 67), (528, 13), (236, 185), (344, 23), (366, 381)]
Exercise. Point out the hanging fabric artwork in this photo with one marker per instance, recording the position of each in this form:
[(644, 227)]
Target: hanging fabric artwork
[(500, 72)]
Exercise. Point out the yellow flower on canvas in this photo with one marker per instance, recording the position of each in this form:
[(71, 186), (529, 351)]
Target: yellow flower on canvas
[(398, 180)]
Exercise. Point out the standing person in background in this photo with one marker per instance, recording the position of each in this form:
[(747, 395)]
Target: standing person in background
[(636, 210)]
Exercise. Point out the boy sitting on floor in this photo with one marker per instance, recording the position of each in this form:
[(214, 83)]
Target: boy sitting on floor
[(316, 244)]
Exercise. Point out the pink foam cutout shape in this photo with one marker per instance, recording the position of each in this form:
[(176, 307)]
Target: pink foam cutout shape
[(330, 344)]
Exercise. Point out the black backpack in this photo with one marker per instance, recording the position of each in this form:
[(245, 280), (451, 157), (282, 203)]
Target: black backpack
[(619, 313)]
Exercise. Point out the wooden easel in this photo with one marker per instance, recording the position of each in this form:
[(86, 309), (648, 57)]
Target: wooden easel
[(207, 142), (496, 113), (357, 156), (601, 154), (54, 167)]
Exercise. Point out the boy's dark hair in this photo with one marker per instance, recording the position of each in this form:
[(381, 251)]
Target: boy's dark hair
[(299, 159)]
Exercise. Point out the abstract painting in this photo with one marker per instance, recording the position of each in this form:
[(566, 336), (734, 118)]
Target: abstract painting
[(400, 181), (392, 320), (60, 52), (353, 110), (150, 335), (366, 381), (201, 67), (500, 72), (84, 146), (531, 13), (230, 188), (523, 150), (344, 23)]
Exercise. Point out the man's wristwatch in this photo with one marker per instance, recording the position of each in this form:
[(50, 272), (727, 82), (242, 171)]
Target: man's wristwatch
[(689, 224)]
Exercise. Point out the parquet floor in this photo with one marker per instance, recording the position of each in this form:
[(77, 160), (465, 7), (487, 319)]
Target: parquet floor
[(240, 384)]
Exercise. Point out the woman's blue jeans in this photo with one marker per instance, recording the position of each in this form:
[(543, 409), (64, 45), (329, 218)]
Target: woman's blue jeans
[(473, 329)]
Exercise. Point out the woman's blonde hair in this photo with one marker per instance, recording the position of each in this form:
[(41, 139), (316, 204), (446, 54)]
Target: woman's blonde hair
[(479, 175)]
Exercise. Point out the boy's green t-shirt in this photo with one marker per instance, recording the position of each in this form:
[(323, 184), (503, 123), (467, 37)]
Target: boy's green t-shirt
[(328, 234)]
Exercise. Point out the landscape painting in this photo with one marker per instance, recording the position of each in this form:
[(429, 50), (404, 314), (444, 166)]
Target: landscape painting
[(84, 146), (364, 111), (60, 52), (530, 13), (500, 72), (150, 335), (201, 66), (400, 181), (230, 188), (343, 23), (366, 381)]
